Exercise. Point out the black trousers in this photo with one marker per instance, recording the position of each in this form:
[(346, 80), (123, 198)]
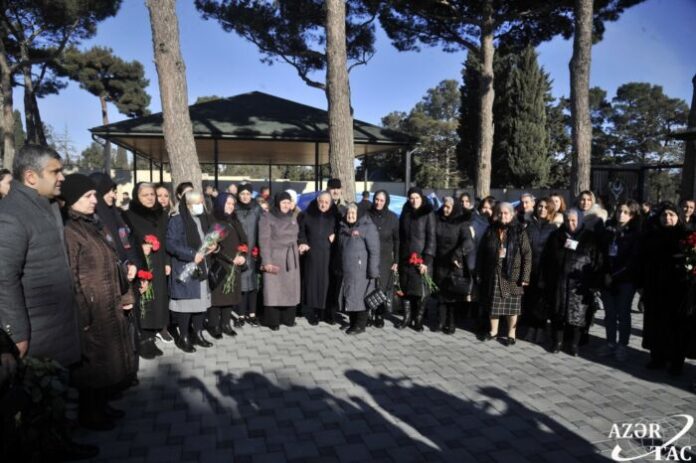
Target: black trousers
[(275, 316), (186, 321), (358, 319), (219, 316), (247, 306)]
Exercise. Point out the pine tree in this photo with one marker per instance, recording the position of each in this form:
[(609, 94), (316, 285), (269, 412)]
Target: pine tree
[(469, 111)]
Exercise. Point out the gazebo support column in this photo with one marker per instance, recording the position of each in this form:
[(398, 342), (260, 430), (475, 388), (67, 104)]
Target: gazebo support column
[(161, 171), (270, 178), (216, 161), (317, 169), (151, 177), (135, 168)]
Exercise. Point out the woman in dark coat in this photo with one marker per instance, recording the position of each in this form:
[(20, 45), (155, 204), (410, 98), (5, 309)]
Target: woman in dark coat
[(664, 283), (359, 249), (571, 267), (280, 257), (454, 243), (107, 355), (387, 224), (416, 236), (317, 234), (229, 256), (504, 269), (534, 309), (190, 299), (248, 212), (144, 217), (621, 253)]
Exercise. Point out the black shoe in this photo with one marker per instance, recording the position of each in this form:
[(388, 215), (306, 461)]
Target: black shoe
[(199, 340), (61, 448), (406, 304), (355, 331), (274, 328), (510, 341), (239, 322), (350, 330), (329, 317), (420, 313), (148, 350), (252, 321), (574, 350), (379, 321), (164, 336), (228, 331), (214, 332), (488, 337), (184, 343)]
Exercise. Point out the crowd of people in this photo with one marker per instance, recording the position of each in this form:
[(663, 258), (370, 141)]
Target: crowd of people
[(95, 286)]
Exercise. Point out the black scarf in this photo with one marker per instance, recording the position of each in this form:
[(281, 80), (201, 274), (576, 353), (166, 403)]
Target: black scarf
[(231, 219), (151, 214), (512, 238), (193, 239)]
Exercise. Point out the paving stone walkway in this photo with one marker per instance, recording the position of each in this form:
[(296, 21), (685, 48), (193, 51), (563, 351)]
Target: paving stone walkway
[(314, 394)]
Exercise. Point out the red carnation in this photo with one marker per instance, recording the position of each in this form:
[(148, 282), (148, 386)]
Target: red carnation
[(415, 259), (243, 249), (152, 241), (255, 252), (144, 275)]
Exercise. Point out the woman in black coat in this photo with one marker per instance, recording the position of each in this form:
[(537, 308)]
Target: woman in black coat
[(248, 213), (387, 224), (416, 237), (317, 234), (539, 230), (228, 256), (664, 283), (571, 277), (144, 217), (453, 244)]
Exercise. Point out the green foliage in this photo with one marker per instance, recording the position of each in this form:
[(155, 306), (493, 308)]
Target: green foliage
[(469, 119), (205, 99), (107, 76), (292, 31), (121, 159), (92, 157)]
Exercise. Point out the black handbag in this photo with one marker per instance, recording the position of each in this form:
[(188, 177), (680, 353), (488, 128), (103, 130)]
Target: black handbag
[(460, 285), (375, 298)]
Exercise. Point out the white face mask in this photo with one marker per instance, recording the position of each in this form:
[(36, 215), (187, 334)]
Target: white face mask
[(197, 209)]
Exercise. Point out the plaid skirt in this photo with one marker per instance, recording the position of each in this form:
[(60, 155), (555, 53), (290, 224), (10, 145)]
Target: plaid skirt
[(504, 306)]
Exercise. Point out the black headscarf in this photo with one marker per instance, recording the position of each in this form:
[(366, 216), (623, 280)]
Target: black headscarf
[(230, 219), (110, 216), (387, 199), (279, 197), (193, 239), (151, 214)]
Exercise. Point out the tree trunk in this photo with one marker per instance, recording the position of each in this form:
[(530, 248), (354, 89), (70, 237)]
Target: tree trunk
[(35, 132), (341, 154), (581, 132), (688, 185), (107, 145), (7, 111), (171, 74), (487, 95)]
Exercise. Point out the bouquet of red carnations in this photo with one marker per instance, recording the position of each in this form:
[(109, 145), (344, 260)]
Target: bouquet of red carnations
[(228, 287), (416, 260), (689, 250)]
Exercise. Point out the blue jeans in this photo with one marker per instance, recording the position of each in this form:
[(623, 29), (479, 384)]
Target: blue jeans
[(617, 308)]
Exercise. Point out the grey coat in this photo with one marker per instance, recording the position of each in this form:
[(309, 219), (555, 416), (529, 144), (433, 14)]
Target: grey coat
[(249, 218), (360, 257), (278, 246), (36, 288)]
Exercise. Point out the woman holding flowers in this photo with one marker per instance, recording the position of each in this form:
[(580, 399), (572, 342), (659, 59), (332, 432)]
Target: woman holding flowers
[(416, 253), (232, 257), (190, 297), (248, 212), (504, 268)]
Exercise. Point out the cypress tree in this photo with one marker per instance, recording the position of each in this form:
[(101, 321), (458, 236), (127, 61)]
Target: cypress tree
[(469, 113)]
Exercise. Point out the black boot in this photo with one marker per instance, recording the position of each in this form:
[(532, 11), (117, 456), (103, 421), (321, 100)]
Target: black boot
[(556, 341), (442, 318), (228, 330), (379, 318), (199, 340), (370, 317), (314, 317), (406, 305), (184, 343), (360, 321), (91, 411), (148, 350), (420, 313), (215, 331), (450, 327)]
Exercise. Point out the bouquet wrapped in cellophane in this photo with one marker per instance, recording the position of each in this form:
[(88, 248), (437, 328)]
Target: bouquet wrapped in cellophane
[(212, 238)]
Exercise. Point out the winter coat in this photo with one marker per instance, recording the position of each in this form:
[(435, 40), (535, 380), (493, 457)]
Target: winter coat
[(416, 235), (571, 277), (387, 224), (278, 245), (36, 288), (664, 284), (142, 222), (181, 254), (478, 226), (315, 227), (453, 243), (248, 216), (516, 267), (228, 251), (359, 245), (623, 242), (107, 355), (534, 307)]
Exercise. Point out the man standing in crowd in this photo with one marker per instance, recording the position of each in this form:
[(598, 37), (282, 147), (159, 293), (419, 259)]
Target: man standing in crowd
[(688, 207), (526, 208), (265, 193), (365, 204), (37, 308), (125, 201), (334, 186)]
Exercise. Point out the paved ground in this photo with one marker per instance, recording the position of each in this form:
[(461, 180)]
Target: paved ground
[(314, 394)]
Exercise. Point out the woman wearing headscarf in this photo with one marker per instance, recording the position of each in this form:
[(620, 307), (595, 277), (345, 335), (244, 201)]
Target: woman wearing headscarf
[(189, 299), (534, 311), (107, 359), (416, 237), (571, 267), (317, 233), (280, 260), (665, 286), (387, 224), (146, 217), (248, 212), (504, 269), (453, 244), (359, 250), (228, 256)]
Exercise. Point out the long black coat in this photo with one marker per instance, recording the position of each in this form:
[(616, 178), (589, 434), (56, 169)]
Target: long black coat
[(143, 221), (664, 290), (416, 235), (36, 289), (534, 306), (453, 243), (387, 224), (249, 218), (315, 229), (623, 267), (226, 254), (571, 277)]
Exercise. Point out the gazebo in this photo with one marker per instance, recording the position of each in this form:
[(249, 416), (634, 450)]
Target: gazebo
[(253, 129)]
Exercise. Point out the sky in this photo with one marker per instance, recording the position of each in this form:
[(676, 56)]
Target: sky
[(653, 42)]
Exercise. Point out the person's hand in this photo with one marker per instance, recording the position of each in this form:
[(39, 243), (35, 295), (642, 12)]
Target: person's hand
[(147, 249), (525, 283), (239, 261), (167, 270), (198, 258), (22, 347), (303, 248), (144, 285), (132, 272), (423, 269), (394, 267), (332, 237), (127, 307), (457, 264)]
